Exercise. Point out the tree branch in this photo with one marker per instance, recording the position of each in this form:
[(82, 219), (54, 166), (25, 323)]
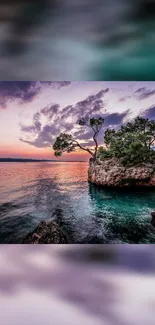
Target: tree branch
[(85, 149)]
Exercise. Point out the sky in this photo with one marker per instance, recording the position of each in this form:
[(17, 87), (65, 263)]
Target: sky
[(33, 114)]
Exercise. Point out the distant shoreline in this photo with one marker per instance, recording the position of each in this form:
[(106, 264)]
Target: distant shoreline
[(2, 160)]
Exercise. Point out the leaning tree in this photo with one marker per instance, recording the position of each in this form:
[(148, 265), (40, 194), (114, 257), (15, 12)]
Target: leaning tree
[(67, 143)]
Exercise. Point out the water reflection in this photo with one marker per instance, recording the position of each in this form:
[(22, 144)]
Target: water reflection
[(91, 284), (34, 192)]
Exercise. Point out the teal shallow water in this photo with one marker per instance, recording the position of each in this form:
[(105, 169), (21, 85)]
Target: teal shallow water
[(32, 192)]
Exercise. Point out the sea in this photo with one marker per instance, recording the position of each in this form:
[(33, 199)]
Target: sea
[(31, 192)]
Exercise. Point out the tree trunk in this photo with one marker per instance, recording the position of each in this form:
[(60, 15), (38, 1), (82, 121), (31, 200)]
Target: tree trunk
[(96, 145)]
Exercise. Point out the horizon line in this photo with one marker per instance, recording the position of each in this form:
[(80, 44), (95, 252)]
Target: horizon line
[(36, 159)]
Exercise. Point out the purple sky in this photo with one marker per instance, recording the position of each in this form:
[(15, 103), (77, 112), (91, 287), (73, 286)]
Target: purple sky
[(32, 114)]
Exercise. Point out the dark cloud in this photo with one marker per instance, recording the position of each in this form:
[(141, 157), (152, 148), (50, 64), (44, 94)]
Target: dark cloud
[(56, 84), (114, 118), (150, 113), (25, 91), (144, 93)]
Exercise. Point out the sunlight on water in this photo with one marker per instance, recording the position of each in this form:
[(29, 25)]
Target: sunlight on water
[(32, 192)]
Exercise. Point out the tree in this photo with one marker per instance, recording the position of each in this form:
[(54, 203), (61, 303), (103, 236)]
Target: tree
[(133, 142), (66, 142)]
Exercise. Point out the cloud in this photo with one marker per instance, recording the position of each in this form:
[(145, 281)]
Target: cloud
[(114, 118), (143, 93), (10, 90), (50, 110), (150, 113), (44, 137), (25, 91), (64, 119), (91, 104), (122, 100), (36, 143), (35, 127)]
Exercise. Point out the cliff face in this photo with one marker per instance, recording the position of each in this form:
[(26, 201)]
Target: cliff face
[(110, 173)]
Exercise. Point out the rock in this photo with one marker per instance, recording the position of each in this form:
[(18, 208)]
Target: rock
[(46, 233), (110, 173), (153, 219)]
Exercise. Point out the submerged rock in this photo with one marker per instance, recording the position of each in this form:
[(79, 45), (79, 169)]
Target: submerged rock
[(110, 173), (46, 233)]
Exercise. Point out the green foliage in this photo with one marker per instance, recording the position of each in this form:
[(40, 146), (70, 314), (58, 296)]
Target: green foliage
[(94, 122), (63, 142), (109, 134), (103, 153), (132, 143)]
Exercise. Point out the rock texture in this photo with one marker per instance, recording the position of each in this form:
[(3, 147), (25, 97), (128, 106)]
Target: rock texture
[(46, 233), (110, 173)]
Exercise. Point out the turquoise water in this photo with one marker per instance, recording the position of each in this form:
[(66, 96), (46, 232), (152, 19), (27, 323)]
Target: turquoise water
[(32, 192)]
